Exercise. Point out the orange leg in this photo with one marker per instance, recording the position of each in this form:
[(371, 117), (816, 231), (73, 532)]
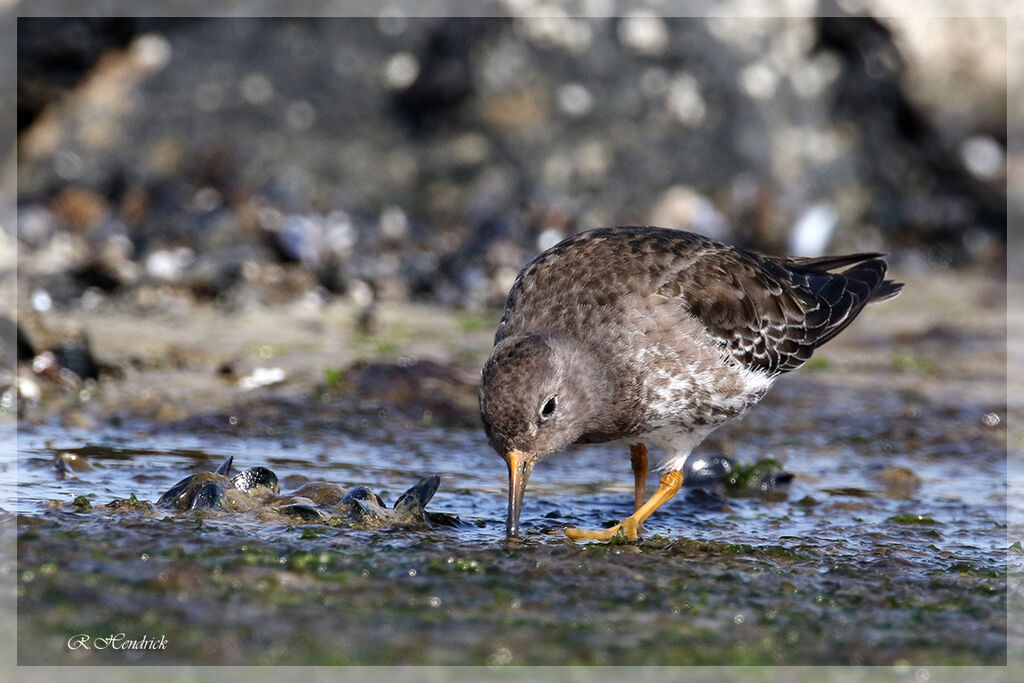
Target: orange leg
[(667, 487), (638, 459)]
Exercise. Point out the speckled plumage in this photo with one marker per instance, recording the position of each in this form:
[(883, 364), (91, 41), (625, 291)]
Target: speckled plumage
[(656, 334)]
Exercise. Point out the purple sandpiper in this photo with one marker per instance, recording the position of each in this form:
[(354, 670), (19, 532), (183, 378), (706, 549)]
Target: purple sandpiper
[(653, 335)]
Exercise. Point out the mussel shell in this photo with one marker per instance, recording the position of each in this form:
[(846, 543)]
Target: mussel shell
[(363, 512), (66, 463), (256, 478), (256, 488), (362, 506), (418, 495), (303, 510), (775, 479), (320, 493), (442, 519), (225, 467), (181, 495), (775, 485), (210, 496), (707, 471), (702, 498), (362, 494)]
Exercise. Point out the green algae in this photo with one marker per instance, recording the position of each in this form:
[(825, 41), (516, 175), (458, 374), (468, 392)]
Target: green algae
[(911, 519)]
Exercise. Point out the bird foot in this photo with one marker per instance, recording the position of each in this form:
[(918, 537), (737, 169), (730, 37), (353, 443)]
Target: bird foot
[(628, 529)]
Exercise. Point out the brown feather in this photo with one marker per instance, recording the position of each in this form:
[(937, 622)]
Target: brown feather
[(767, 313)]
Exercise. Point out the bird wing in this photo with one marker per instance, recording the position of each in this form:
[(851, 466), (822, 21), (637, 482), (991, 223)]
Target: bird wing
[(767, 313), (770, 314)]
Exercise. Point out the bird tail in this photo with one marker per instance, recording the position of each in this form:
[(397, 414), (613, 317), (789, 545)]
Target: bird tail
[(841, 296), (888, 289), (870, 268), (823, 263)]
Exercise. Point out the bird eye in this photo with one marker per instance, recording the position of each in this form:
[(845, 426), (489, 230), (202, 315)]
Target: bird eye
[(548, 408)]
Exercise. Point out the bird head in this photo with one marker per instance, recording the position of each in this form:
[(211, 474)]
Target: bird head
[(537, 396)]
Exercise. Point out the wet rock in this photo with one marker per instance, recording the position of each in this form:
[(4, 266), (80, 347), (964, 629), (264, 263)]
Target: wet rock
[(80, 207), (261, 377), (76, 355), (132, 504), (169, 265), (216, 271), (46, 365), (423, 390), (931, 188), (65, 464), (899, 482), (706, 500), (15, 345), (78, 419), (63, 352), (25, 348), (722, 474), (683, 207), (849, 492), (28, 390), (415, 499), (443, 77), (58, 54)]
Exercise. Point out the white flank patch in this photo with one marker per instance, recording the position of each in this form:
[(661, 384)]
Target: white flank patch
[(681, 397), (673, 400), (756, 382), (676, 443)]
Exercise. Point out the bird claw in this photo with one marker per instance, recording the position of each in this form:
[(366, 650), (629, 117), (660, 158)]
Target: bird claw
[(625, 530), (630, 527)]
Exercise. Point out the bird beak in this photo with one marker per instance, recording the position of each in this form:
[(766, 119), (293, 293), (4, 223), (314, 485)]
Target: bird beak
[(519, 467)]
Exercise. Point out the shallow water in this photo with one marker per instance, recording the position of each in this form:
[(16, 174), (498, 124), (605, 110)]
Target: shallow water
[(890, 541), (963, 493), (889, 547)]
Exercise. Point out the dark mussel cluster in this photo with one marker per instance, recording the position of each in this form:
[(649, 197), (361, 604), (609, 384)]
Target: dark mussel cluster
[(257, 489)]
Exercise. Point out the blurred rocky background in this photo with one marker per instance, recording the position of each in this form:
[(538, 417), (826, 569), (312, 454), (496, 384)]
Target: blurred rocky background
[(167, 163), (246, 159)]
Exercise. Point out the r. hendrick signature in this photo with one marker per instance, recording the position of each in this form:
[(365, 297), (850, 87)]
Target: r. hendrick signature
[(115, 641)]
